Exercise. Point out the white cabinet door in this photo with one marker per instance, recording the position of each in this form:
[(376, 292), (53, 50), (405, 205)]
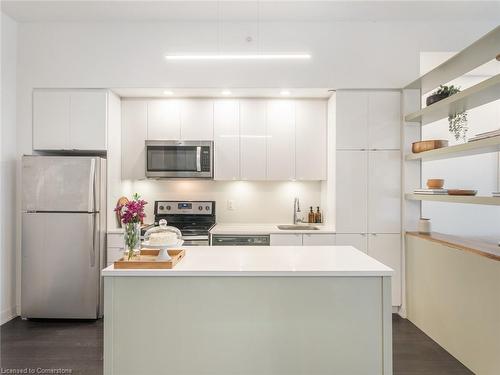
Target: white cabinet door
[(352, 119), (357, 240), (253, 142), (384, 120), (325, 239), (88, 119), (386, 248), (134, 134), (310, 139), (352, 188), (164, 120), (280, 140), (197, 119), (292, 239), (384, 192), (51, 118), (226, 140)]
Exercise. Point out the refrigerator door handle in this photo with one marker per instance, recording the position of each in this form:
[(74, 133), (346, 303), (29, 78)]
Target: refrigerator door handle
[(92, 228), (92, 186)]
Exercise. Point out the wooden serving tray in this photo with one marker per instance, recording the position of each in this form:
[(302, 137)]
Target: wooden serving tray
[(147, 260), (461, 192)]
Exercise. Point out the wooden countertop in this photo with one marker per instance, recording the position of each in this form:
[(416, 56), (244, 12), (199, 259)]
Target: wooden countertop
[(473, 245)]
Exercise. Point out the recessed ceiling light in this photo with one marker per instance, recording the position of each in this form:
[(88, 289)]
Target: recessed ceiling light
[(168, 92), (284, 92), (293, 56), (226, 92)]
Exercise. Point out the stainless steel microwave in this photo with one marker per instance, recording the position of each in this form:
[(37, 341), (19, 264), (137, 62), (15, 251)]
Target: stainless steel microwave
[(179, 159)]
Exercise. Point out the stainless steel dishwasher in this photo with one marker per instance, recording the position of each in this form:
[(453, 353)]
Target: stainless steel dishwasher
[(240, 240)]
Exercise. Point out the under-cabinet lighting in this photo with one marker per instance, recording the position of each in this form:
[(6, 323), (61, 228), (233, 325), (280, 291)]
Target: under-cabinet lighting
[(168, 92), (284, 92), (296, 56), (226, 92)]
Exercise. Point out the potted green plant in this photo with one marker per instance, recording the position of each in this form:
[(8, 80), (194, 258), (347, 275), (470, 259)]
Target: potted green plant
[(442, 93)]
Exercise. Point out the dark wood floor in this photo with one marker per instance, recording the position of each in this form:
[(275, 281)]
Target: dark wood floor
[(78, 346)]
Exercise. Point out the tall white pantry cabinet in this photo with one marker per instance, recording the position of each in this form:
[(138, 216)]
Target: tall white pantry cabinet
[(368, 176)]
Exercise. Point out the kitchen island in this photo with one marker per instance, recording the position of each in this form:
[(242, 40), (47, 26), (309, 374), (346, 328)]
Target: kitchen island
[(251, 311)]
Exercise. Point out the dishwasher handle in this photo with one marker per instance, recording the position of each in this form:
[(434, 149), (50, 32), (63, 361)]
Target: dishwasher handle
[(240, 240)]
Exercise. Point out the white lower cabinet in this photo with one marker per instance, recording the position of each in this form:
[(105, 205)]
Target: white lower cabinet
[(115, 247), (386, 248), (288, 239), (324, 239), (299, 239), (357, 240)]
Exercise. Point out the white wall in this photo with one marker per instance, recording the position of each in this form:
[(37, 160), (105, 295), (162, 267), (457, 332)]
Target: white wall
[(480, 172), (8, 158), (254, 202)]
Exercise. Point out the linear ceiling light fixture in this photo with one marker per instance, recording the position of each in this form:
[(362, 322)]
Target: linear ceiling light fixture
[(274, 56)]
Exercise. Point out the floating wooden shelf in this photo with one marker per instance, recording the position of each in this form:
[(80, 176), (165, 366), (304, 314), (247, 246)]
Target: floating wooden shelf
[(471, 245), (476, 54), (493, 201), (483, 146), (475, 96)]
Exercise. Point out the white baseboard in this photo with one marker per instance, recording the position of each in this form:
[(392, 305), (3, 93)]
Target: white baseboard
[(8, 314)]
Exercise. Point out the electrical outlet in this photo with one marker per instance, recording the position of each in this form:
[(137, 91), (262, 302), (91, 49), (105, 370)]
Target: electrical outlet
[(231, 205)]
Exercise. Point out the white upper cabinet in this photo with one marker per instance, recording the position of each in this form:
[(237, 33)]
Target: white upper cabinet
[(351, 190), (51, 120), (386, 248), (384, 120), (164, 120), (88, 112), (227, 139), (280, 140), (197, 119), (352, 120), (70, 120), (134, 135), (253, 139), (384, 192), (310, 139)]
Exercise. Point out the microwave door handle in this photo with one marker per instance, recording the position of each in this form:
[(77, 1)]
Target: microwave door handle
[(198, 158)]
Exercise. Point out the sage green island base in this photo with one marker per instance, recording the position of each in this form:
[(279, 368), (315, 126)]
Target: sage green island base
[(251, 311)]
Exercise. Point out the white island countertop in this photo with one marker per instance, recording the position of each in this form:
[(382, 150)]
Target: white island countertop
[(267, 261), (264, 228)]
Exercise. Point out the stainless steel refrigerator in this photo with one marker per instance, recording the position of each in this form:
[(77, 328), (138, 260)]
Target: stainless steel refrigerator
[(63, 236)]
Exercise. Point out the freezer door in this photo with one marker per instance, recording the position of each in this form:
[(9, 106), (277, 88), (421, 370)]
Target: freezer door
[(60, 265), (61, 183)]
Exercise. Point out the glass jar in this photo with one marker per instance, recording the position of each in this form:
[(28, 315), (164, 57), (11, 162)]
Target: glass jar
[(163, 237), (132, 239)]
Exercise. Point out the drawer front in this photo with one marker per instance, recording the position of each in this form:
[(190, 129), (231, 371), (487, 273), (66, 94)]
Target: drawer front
[(286, 239), (325, 239), (116, 240)]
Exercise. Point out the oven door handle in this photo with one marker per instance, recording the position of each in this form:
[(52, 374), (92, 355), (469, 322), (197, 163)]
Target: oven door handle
[(198, 158)]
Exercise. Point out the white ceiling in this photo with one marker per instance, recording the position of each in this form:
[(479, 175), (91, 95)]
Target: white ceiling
[(217, 92), (165, 10)]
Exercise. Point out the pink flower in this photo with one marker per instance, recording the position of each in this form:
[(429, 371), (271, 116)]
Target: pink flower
[(132, 211)]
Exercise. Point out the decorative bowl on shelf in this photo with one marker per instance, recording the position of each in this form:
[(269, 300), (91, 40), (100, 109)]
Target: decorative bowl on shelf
[(435, 183), (461, 192), (433, 144)]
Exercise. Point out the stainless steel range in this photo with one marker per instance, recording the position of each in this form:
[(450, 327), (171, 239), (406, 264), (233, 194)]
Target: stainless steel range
[(193, 218)]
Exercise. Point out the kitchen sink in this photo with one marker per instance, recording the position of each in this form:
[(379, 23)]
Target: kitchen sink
[(297, 227)]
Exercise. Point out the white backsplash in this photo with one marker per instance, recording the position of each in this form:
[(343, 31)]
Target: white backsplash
[(254, 201)]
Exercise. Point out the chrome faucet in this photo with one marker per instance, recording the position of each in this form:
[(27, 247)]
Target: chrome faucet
[(296, 209)]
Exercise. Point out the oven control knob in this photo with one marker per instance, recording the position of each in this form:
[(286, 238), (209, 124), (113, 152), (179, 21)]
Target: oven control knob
[(161, 208), (200, 208), (207, 208), (168, 208)]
